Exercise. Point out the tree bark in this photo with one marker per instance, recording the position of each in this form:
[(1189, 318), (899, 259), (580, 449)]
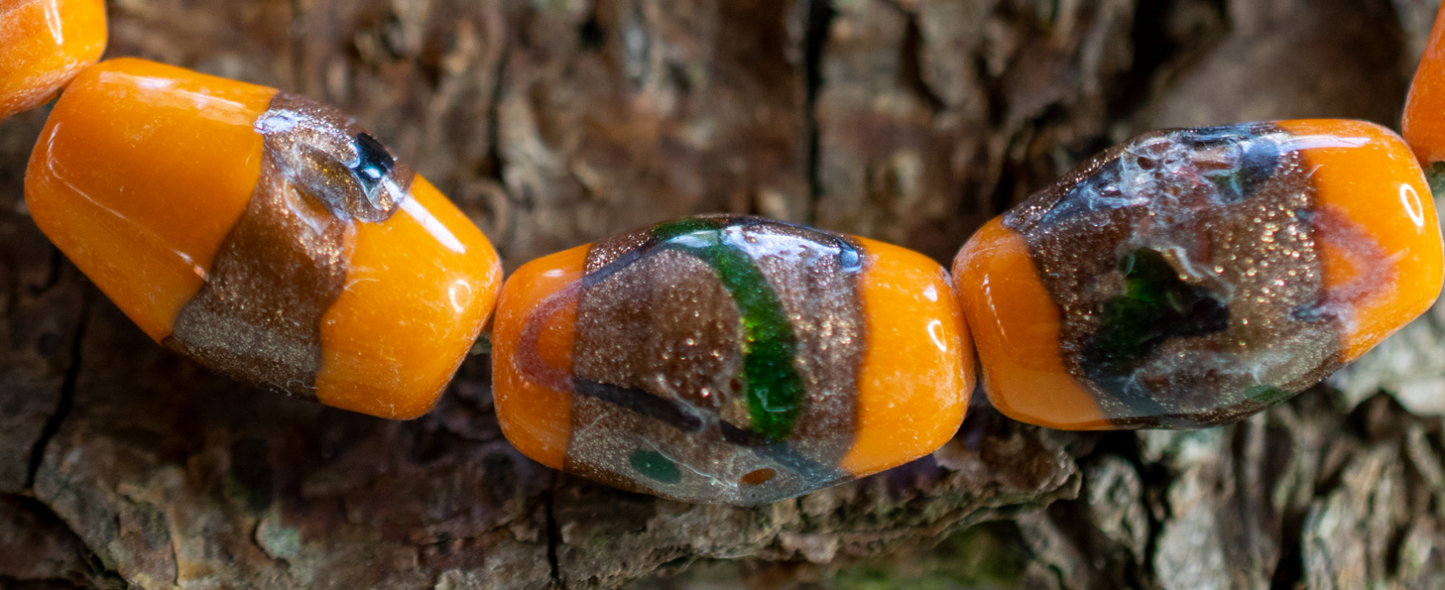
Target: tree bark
[(556, 122)]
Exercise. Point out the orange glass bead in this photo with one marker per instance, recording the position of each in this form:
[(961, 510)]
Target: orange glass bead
[(1193, 277), (1423, 125), (729, 359), (43, 44), (263, 235)]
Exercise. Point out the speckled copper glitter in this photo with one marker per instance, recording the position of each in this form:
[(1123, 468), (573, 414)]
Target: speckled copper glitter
[(1230, 212), (258, 316), (661, 400)]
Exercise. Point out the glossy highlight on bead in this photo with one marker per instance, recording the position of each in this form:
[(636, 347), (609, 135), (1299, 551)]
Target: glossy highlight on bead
[(1193, 277), (262, 234), (729, 359), (43, 45)]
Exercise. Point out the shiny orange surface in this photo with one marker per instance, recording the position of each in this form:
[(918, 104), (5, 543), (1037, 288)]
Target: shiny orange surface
[(43, 44), (1015, 325), (143, 169), (917, 371), (419, 288), (1424, 123), (535, 418), (1375, 226), (138, 176)]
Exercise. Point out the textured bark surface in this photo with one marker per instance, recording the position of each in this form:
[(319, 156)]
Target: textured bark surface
[(557, 122)]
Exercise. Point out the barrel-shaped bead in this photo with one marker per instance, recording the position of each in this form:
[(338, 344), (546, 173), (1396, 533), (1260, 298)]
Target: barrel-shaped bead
[(262, 234), (730, 359), (1423, 124), (43, 45), (1193, 277)]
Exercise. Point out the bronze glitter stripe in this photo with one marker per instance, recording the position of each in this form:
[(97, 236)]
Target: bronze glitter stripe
[(631, 334), (257, 319)]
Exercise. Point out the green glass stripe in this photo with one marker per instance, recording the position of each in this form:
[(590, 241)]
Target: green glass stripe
[(1155, 306), (772, 385), (1267, 395), (665, 231), (655, 465)]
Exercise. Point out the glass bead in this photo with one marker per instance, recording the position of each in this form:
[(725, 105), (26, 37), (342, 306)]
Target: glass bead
[(43, 45), (730, 359), (263, 235), (1193, 277)]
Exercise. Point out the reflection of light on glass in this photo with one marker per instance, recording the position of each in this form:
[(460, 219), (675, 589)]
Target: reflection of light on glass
[(391, 187), (1413, 207), (57, 172), (931, 293), (198, 103), (460, 293), (697, 239), (432, 225), (195, 268), (760, 244), (277, 122), (52, 20), (1310, 142), (935, 331), (988, 297), (146, 82)]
